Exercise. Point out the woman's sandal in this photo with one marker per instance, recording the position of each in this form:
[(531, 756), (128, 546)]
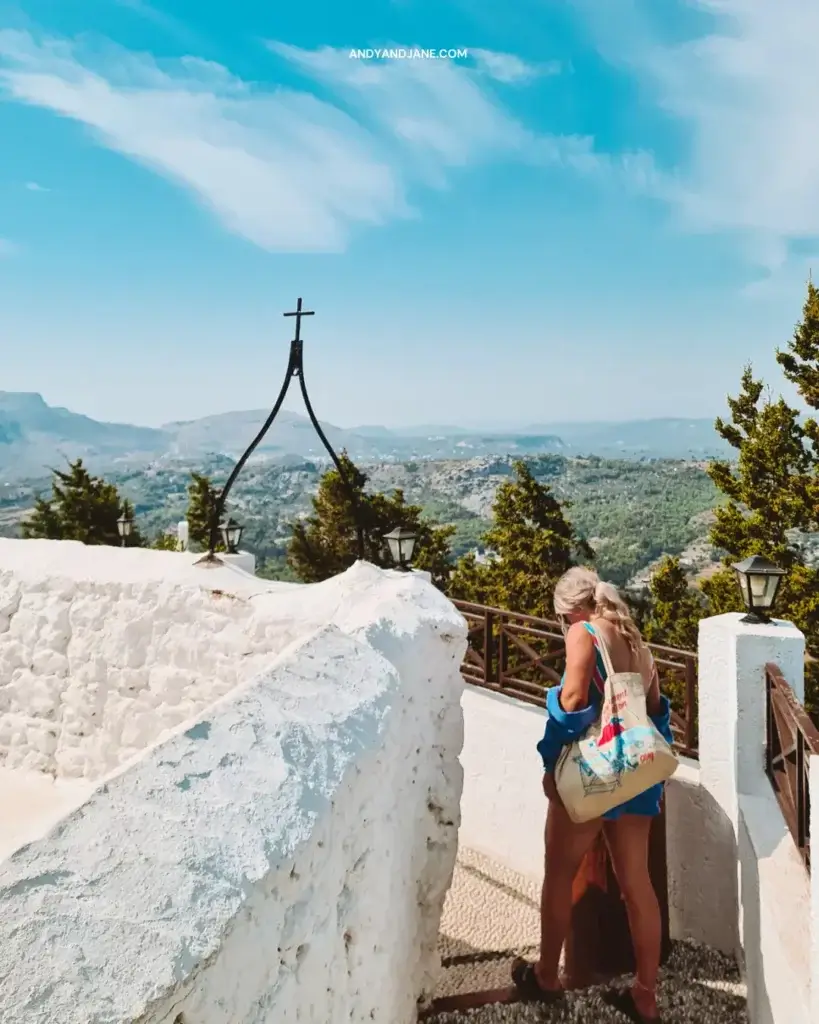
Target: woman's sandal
[(622, 1000), (525, 979)]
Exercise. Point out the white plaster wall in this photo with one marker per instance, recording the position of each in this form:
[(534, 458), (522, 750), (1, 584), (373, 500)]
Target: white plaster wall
[(244, 560), (285, 855), (503, 809), (701, 864), (776, 921), (102, 650)]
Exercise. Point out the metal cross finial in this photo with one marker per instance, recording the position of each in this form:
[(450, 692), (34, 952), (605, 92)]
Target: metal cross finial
[(295, 368), (298, 314)]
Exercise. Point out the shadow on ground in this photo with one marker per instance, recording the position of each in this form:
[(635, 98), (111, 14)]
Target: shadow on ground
[(697, 986)]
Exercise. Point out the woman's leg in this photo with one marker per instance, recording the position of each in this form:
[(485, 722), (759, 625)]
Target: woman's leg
[(566, 846), (627, 839)]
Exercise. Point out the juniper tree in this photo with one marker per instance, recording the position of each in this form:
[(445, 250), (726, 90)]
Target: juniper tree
[(202, 500), (774, 487), (82, 507), (532, 544), (325, 542), (675, 608)]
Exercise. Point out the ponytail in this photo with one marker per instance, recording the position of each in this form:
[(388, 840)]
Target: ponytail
[(583, 588), (609, 605)]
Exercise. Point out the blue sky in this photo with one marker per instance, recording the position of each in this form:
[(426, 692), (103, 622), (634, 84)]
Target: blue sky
[(601, 212)]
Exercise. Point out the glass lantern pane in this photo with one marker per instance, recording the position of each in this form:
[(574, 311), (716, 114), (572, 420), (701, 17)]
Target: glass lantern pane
[(759, 587), (769, 593)]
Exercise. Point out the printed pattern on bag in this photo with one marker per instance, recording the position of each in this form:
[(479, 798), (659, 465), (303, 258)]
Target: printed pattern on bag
[(620, 756), (602, 769)]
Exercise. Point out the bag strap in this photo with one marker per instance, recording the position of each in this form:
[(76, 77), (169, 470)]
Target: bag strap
[(603, 647)]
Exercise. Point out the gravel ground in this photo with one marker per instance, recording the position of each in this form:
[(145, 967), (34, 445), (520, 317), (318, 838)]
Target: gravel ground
[(698, 986), (491, 916)]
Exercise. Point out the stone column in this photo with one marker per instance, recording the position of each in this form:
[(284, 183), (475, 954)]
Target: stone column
[(732, 659), (244, 560)]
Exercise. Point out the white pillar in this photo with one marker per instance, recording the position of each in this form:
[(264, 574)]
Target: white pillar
[(182, 534), (731, 689), (732, 659), (244, 560)]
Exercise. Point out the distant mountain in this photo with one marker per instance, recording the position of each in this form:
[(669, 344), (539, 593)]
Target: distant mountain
[(35, 436), (231, 432), (667, 438)]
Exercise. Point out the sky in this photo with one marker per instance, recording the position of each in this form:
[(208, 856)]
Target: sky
[(536, 212)]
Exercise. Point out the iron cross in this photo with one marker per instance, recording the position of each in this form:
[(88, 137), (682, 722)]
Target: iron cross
[(298, 314)]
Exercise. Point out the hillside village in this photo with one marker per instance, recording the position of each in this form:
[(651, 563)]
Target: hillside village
[(632, 512)]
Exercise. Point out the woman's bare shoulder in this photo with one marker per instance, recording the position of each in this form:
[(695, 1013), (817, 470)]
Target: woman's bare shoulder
[(578, 638)]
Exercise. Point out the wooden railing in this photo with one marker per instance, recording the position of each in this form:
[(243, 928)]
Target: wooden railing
[(522, 656), (791, 738)]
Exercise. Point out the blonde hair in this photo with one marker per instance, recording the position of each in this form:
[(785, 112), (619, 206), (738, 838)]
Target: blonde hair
[(581, 588)]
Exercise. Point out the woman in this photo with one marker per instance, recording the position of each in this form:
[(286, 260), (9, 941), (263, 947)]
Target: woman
[(593, 613)]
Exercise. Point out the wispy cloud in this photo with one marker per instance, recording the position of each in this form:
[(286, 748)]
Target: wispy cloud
[(7, 248), (512, 70), (169, 24), (435, 115), (33, 186), (744, 90), (283, 168)]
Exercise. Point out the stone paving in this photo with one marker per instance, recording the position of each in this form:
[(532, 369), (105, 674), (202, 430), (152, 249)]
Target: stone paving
[(491, 916)]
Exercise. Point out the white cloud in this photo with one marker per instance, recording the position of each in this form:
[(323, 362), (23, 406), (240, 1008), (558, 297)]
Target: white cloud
[(7, 248), (507, 68), (284, 169), (745, 90), (33, 186)]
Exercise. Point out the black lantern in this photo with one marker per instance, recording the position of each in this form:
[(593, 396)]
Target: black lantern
[(401, 543), (295, 368), (124, 528), (759, 581), (231, 535)]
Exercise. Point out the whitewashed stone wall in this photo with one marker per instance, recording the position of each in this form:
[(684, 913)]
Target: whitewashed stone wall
[(280, 854)]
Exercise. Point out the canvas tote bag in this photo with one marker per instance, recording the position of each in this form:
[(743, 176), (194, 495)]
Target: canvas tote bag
[(621, 755)]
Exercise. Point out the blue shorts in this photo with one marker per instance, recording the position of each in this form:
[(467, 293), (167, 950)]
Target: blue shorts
[(646, 804)]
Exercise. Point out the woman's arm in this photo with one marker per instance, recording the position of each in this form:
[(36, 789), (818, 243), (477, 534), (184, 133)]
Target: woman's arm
[(580, 660)]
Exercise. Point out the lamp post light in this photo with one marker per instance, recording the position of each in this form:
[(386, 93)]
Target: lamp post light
[(231, 535), (295, 368), (759, 581), (401, 543), (124, 528)]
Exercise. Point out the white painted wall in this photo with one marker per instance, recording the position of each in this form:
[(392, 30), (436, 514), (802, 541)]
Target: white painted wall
[(101, 653), (281, 855), (503, 809), (244, 560), (776, 919), (767, 899)]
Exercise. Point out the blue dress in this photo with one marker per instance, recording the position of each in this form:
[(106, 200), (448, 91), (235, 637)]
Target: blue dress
[(563, 727)]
